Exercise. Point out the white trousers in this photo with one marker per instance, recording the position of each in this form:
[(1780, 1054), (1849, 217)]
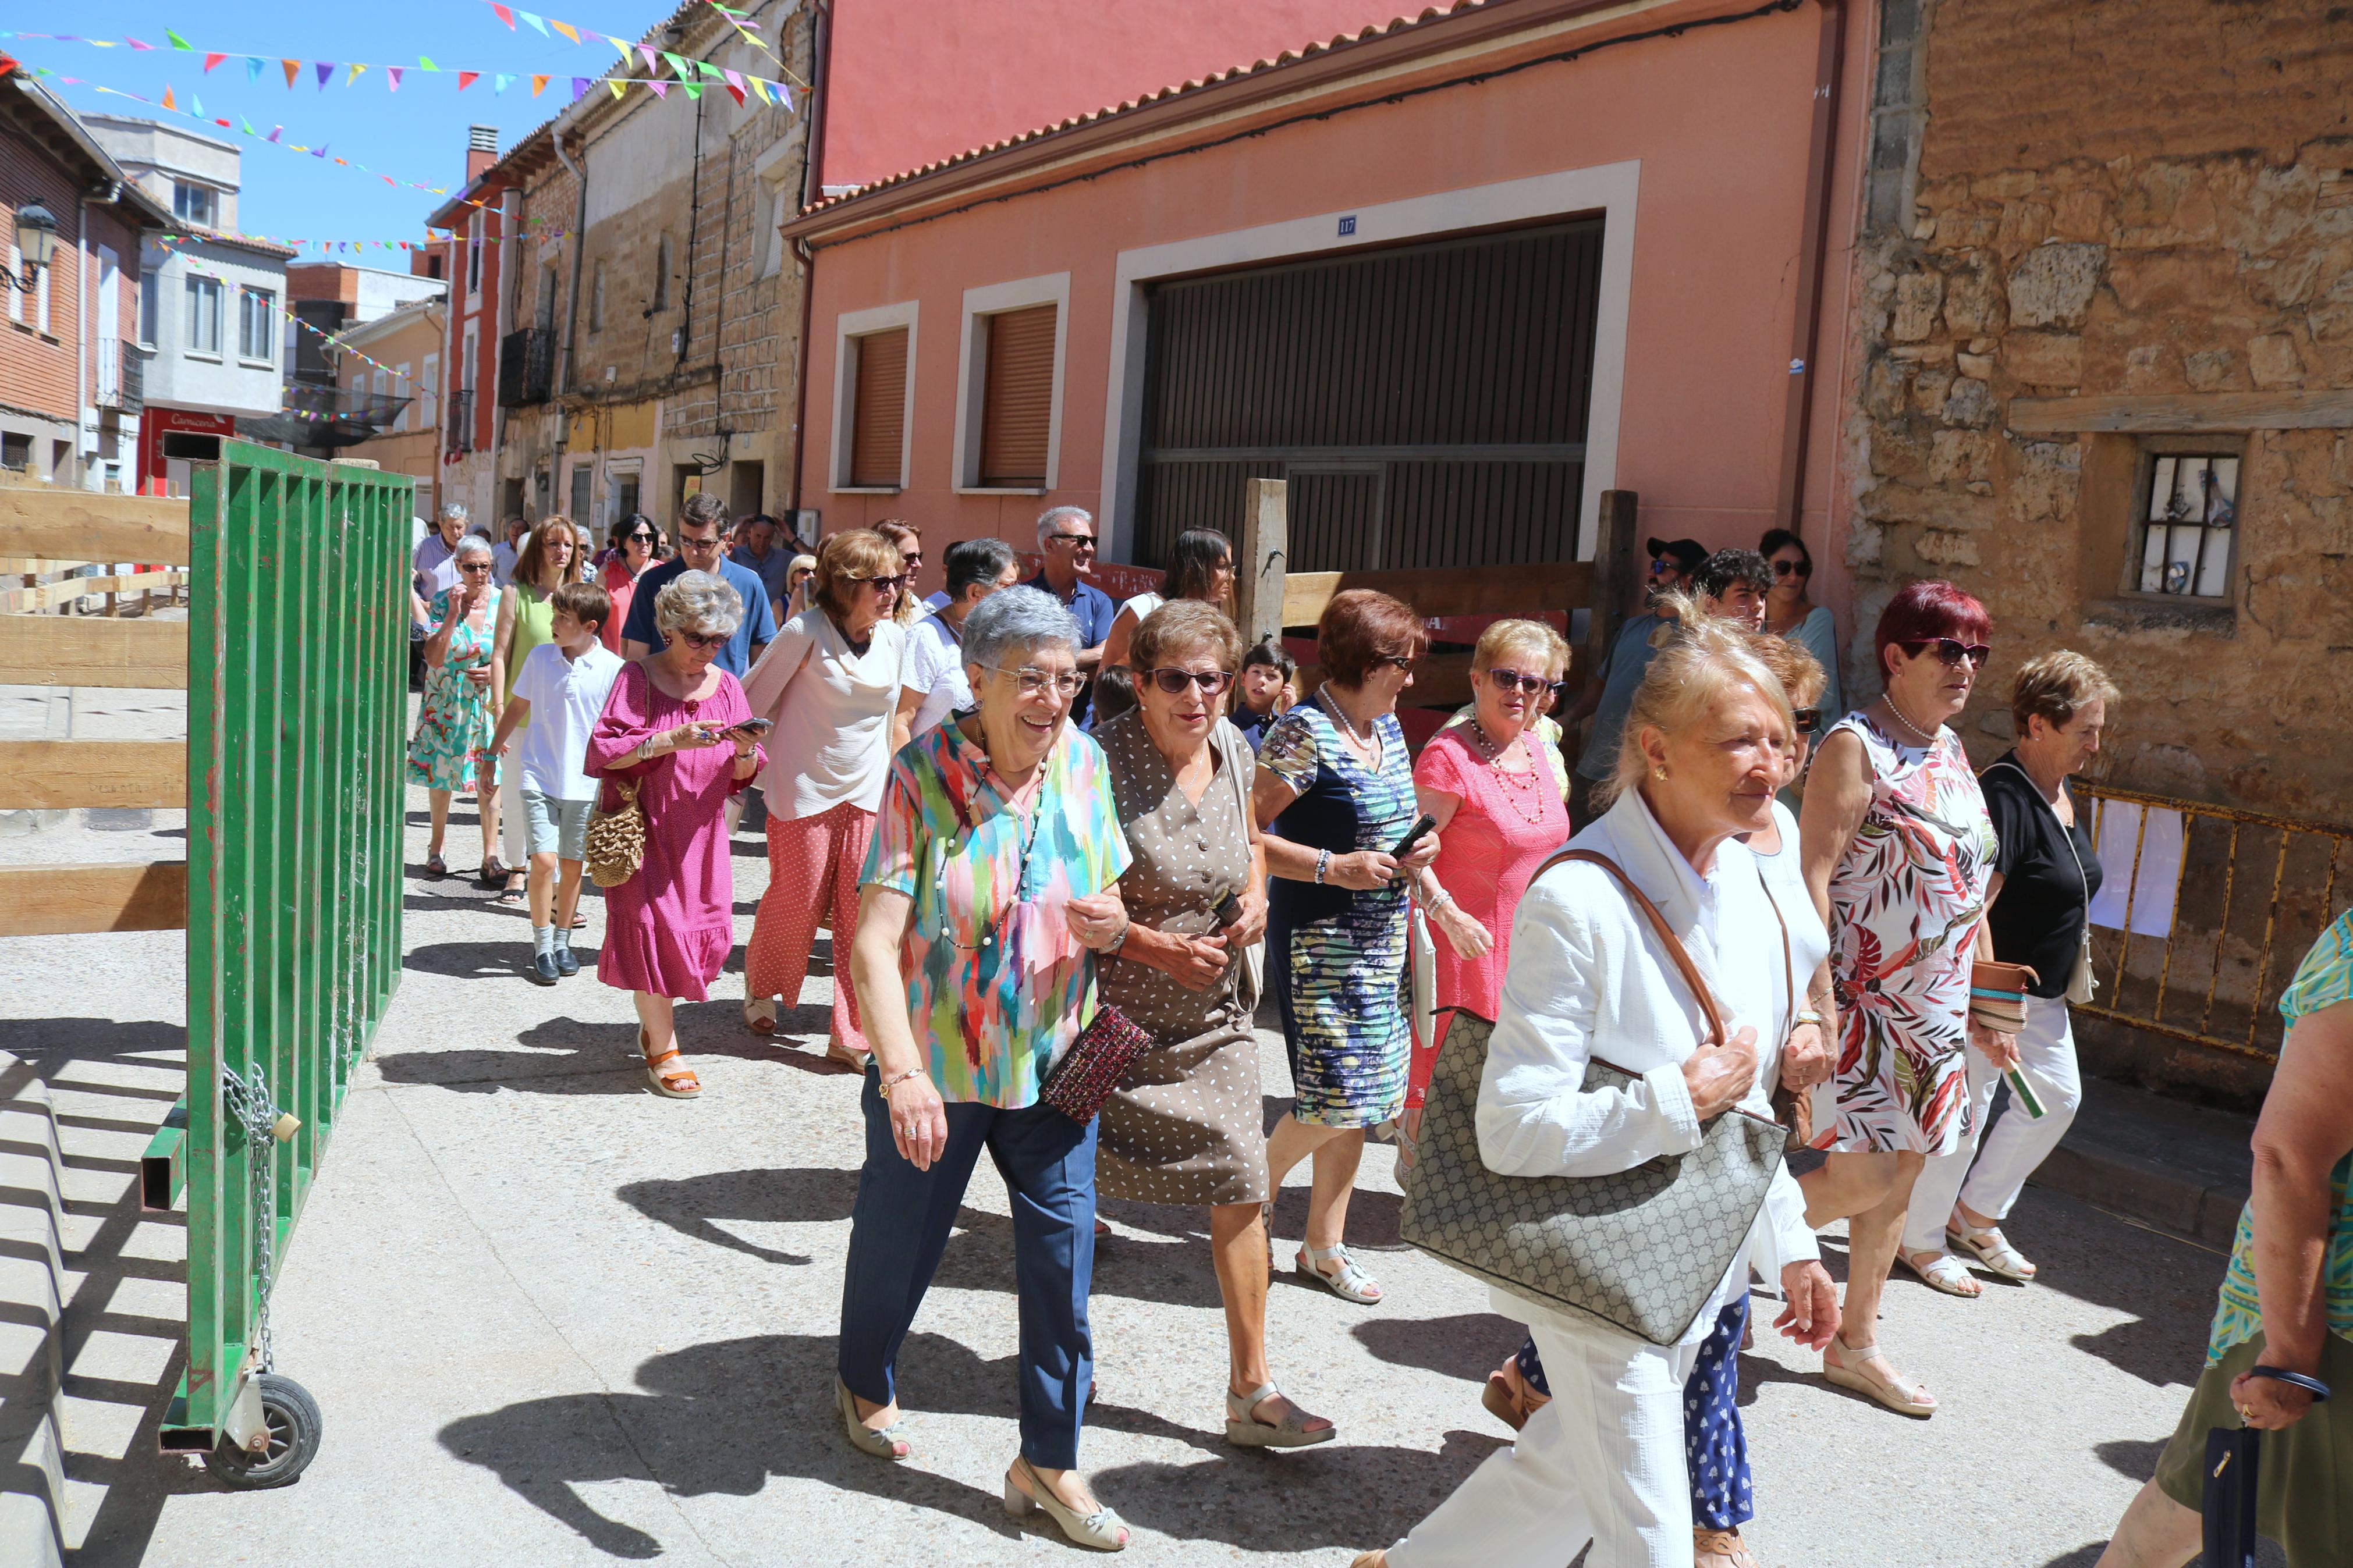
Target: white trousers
[(1604, 1461), (515, 833), (2017, 1144)]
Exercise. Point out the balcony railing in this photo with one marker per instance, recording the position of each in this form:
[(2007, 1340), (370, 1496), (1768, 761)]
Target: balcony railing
[(462, 419), (526, 366)]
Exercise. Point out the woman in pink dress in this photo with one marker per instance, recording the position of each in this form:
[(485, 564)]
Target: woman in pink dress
[(1497, 788), (671, 724)]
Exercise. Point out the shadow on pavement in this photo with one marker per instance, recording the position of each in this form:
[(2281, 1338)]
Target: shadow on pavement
[(695, 1205), (1469, 1345)]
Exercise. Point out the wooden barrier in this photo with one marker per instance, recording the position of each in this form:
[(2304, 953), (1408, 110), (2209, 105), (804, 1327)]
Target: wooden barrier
[(80, 525), (55, 775), (56, 650), (61, 901)]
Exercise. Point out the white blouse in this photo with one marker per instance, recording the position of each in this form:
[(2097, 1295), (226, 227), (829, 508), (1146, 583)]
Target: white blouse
[(832, 740), (1589, 978)]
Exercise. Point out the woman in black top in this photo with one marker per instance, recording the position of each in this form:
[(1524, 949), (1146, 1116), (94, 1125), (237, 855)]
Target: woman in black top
[(2038, 904)]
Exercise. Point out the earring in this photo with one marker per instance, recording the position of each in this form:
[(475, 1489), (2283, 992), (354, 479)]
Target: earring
[(1662, 773)]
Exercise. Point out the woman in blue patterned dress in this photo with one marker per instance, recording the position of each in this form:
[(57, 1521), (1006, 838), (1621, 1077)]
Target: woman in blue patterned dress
[(450, 750), (1335, 794)]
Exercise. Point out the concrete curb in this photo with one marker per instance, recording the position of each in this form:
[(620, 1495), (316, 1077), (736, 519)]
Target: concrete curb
[(2180, 1167), (32, 1209)]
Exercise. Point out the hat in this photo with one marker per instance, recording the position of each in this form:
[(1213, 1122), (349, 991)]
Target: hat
[(1688, 553)]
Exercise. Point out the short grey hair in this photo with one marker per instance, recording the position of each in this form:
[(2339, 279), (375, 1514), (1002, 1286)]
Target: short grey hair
[(455, 508), (1019, 620), (472, 544), (697, 600), (1050, 519)]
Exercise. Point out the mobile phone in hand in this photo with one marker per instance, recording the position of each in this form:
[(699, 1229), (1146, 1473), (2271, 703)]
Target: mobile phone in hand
[(754, 727), (1414, 835)]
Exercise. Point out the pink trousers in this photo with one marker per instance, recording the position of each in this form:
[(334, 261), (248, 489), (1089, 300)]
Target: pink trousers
[(813, 867)]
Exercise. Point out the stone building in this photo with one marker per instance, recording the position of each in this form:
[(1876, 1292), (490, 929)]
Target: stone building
[(651, 325), (2102, 376)]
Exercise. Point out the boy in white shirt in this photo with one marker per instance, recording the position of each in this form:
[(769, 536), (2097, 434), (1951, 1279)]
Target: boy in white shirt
[(563, 685)]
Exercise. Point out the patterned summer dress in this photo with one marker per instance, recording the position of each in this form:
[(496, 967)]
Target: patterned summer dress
[(1905, 899), (455, 724), (1335, 959)]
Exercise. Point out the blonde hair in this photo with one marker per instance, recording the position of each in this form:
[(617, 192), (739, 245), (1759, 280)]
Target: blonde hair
[(1799, 671), (901, 534), (2058, 686), (1534, 636), (1702, 658), (856, 553)]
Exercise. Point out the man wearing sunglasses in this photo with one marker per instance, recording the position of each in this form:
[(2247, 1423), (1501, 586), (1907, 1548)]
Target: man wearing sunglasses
[(701, 547), (1610, 692), (1066, 546)]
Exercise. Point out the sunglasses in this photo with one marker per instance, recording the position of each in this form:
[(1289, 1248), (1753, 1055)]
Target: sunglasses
[(910, 559), (1808, 720), (1066, 684), (704, 641), (885, 584), (1793, 569), (1661, 566), (1952, 651), (640, 538), (1401, 660), (1512, 680), (475, 566), (1075, 540), (1176, 681), (700, 545)]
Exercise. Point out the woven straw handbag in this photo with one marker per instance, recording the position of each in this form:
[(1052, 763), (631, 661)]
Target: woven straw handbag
[(1642, 1249), (617, 838)]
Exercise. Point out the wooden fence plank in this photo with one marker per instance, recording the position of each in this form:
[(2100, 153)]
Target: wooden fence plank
[(81, 525), (49, 595), (1521, 589), (65, 900), (2176, 413), (57, 650), (53, 775)]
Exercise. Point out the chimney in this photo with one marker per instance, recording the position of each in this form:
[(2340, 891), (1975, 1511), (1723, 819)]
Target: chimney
[(481, 151)]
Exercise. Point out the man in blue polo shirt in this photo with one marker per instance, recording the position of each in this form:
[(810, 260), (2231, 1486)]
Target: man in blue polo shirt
[(1066, 542), (701, 547)]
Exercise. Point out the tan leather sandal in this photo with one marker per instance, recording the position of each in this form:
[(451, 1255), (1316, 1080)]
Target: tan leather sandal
[(674, 1083), (1720, 1549), (1849, 1367)]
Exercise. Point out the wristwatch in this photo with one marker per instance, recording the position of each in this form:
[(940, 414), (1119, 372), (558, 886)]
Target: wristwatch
[(1806, 1015)]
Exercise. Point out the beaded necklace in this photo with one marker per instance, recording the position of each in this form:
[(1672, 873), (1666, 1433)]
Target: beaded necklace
[(1371, 742), (1518, 788)]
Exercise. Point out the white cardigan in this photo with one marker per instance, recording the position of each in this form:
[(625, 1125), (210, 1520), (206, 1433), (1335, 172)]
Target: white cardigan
[(1589, 978)]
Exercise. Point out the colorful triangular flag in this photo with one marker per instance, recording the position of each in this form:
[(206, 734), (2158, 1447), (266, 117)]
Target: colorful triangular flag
[(466, 79), (168, 103), (566, 28), (614, 85), (357, 67), (662, 89), (213, 59), (579, 86), (425, 63), (503, 14), (709, 72), (499, 83), (538, 85), (534, 22), (253, 64), (325, 69), (178, 42), (647, 50), (135, 43), (392, 75)]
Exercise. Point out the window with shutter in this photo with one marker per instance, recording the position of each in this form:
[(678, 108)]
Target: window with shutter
[(1018, 399), (879, 422)]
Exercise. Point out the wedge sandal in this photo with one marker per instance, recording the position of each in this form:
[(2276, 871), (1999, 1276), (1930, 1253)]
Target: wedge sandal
[(1846, 1366), (1245, 1430)]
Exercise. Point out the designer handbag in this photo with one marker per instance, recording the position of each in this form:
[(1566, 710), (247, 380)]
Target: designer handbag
[(1642, 1249), (1094, 1067)]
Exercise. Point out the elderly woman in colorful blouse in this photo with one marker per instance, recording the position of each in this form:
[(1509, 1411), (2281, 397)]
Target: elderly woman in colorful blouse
[(1334, 796), (2282, 1339), (990, 888), (1188, 1126)]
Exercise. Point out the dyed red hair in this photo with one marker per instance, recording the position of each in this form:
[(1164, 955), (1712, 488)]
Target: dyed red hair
[(1922, 612)]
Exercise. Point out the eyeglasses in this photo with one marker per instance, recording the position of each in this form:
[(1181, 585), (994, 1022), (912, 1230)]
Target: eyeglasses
[(1808, 720), (1512, 680), (475, 566), (1952, 651), (699, 546), (883, 582), (1066, 683), (1793, 569), (1403, 661), (1075, 540), (704, 641), (1174, 681)]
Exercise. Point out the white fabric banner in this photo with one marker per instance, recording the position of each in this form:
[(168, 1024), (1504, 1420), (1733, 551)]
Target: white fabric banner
[(2117, 827)]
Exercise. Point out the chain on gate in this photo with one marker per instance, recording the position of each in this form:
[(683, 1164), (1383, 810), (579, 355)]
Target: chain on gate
[(247, 1100)]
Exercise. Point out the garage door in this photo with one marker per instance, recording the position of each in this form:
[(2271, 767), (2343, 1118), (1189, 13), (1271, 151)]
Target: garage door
[(1428, 403)]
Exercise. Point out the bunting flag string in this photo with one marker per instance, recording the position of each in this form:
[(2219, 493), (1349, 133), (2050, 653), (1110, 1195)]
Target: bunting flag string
[(742, 21), (693, 75), (327, 339)]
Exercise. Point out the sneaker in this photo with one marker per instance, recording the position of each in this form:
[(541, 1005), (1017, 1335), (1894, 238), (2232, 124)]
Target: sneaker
[(566, 964), (543, 970)]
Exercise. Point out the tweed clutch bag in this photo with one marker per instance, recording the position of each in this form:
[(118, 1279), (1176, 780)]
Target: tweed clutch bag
[(616, 843), (1094, 1067), (1642, 1249)]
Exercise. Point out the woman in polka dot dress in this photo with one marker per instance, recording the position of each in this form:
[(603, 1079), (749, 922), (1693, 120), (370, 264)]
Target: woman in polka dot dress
[(1188, 1127)]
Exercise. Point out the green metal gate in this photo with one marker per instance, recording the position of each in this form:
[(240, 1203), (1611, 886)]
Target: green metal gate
[(297, 704)]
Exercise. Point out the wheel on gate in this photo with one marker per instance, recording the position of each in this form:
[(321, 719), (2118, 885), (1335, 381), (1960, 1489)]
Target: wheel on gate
[(294, 1423)]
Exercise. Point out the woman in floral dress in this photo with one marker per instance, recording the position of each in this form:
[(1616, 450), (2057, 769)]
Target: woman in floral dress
[(1334, 794), (450, 751), (1897, 849)]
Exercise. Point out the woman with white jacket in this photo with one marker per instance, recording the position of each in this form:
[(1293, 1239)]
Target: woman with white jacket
[(1710, 734)]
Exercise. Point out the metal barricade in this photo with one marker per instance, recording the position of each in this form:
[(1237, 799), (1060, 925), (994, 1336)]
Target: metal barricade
[(2204, 913), (297, 694)]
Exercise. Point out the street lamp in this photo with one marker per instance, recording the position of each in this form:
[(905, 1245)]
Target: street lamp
[(37, 238)]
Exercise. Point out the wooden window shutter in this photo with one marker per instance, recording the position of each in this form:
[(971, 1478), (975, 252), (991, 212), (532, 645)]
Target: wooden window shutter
[(879, 423), (1018, 404)]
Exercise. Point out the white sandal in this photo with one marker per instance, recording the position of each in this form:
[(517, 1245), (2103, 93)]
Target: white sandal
[(1245, 1430), (1942, 1272), (1350, 1284), (1990, 1248), (1904, 1398)]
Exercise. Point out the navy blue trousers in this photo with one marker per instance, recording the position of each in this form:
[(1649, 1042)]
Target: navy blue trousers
[(1715, 1448), (900, 1225)]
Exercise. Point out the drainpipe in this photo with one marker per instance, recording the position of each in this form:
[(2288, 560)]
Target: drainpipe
[(81, 328), (555, 470), (818, 102), (1805, 344)]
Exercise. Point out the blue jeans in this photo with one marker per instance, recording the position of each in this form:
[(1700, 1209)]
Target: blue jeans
[(1716, 1447), (900, 1225)]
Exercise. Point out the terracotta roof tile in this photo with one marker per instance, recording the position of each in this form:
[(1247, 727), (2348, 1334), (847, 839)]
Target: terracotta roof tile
[(1232, 73)]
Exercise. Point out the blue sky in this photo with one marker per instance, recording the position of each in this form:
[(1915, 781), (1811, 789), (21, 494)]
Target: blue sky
[(417, 134)]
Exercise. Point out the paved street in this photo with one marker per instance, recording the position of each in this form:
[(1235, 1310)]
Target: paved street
[(551, 1319)]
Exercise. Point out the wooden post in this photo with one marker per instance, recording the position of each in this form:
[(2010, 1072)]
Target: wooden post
[(1261, 557), (1613, 576)]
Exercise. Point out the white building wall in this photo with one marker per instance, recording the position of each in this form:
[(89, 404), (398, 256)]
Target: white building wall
[(185, 375)]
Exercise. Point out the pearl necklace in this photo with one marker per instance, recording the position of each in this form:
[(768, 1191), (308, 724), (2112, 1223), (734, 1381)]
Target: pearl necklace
[(1926, 737), (1371, 742)]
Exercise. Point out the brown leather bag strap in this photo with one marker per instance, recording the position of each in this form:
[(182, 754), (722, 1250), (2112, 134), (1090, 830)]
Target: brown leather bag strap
[(1682, 960)]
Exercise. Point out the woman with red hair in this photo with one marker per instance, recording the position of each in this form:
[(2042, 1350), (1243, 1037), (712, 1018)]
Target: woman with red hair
[(1897, 849)]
